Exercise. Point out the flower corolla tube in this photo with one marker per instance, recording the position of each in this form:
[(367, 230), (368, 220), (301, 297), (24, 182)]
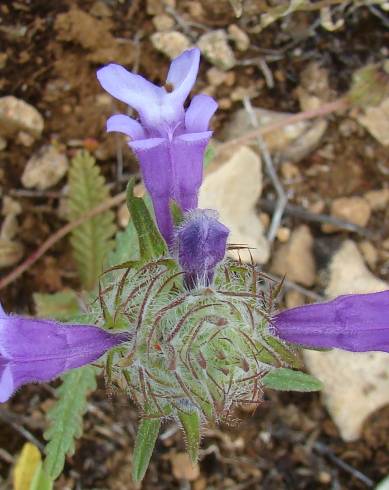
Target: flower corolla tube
[(354, 322), (34, 350)]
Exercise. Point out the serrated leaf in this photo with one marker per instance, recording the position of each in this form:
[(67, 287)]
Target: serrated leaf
[(151, 243), (191, 425), (66, 417), (284, 379), (62, 305), (92, 240), (26, 465), (144, 445)]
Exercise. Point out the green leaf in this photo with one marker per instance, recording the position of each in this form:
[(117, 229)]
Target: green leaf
[(60, 306), (92, 240), (383, 484), (66, 417), (191, 425), (41, 481), (151, 244), (210, 154), (144, 446), (284, 379)]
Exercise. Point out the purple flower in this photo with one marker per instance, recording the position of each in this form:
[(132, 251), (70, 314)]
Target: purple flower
[(355, 322), (40, 350), (169, 141), (201, 244)]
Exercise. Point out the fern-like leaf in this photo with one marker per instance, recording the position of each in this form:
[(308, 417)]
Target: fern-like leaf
[(92, 240), (66, 417)]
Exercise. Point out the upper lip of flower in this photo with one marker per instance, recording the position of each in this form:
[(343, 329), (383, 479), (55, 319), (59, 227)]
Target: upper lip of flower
[(156, 107)]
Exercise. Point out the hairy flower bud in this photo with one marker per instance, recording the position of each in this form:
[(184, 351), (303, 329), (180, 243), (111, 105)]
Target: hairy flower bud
[(193, 351), (201, 244)]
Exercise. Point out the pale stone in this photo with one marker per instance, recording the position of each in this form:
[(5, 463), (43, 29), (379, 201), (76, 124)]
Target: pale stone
[(10, 252), (369, 252), (292, 142), (283, 234), (17, 115), (295, 259), (183, 468), (378, 199), (216, 77), (232, 187), (240, 38), (355, 384), (214, 46), (376, 120), (353, 209), (163, 22), (171, 44), (290, 171), (294, 298), (45, 168)]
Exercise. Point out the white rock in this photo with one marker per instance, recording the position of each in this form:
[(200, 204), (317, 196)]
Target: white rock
[(295, 258), (355, 384), (45, 168), (17, 115), (376, 120), (172, 43), (292, 142), (214, 46), (233, 187)]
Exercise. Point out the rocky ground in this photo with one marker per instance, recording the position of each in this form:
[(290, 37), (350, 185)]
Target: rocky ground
[(332, 236)]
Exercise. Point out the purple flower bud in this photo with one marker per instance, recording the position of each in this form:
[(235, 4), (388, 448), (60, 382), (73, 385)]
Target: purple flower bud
[(33, 350), (355, 322), (201, 244), (168, 141)]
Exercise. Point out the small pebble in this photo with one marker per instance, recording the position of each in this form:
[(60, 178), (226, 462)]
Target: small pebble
[(214, 46), (290, 171), (378, 199), (171, 44), (283, 234), (240, 38), (163, 22), (45, 168), (183, 468)]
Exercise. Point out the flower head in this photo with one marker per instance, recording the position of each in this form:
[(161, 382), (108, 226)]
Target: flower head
[(354, 322), (168, 140), (33, 350), (201, 245)]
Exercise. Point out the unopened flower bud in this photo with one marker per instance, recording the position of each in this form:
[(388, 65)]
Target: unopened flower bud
[(201, 245)]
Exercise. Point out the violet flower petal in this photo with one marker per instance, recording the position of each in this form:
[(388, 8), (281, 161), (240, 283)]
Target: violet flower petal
[(201, 244), (132, 89), (355, 322), (182, 75), (187, 160), (126, 125), (199, 113), (39, 350)]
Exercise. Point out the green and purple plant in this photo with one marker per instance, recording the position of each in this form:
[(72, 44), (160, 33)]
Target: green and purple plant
[(185, 330)]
